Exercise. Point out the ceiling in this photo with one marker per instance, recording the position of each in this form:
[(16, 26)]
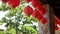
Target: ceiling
[(55, 4)]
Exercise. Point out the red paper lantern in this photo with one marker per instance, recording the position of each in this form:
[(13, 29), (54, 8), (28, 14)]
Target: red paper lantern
[(5, 1), (43, 21), (41, 9), (27, 0), (56, 27), (28, 10), (59, 22), (56, 20), (34, 3), (14, 3), (37, 15)]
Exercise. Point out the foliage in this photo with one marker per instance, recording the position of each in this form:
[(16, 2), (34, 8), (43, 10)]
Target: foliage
[(14, 18)]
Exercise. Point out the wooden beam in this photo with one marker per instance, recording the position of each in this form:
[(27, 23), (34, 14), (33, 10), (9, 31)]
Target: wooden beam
[(52, 29)]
